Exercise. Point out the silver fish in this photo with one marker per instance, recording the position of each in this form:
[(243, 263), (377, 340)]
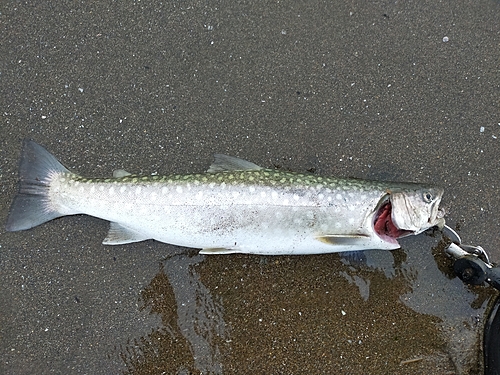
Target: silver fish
[(235, 207)]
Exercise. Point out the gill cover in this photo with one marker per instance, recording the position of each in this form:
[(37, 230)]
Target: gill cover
[(417, 210)]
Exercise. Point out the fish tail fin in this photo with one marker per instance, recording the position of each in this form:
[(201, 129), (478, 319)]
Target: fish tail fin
[(31, 205)]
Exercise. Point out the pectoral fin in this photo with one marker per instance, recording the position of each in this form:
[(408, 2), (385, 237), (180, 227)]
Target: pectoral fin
[(119, 235), (344, 239)]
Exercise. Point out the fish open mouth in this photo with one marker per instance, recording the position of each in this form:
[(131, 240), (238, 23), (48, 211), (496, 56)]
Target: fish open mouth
[(384, 226)]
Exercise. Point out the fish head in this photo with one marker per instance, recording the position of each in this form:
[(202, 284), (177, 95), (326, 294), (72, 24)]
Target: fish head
[(417, 210), (408, 210)]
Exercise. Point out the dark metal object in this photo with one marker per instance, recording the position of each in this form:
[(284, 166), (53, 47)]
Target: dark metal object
[(472, 264), (470, 269), (492, 342)]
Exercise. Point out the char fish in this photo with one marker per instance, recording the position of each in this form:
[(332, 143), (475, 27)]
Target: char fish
[(234, 207)]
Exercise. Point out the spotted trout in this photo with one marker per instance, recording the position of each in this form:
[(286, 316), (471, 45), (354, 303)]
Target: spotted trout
[(234, 207)]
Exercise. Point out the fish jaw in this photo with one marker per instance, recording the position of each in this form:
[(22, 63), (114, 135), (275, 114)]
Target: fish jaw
[(408, 212), (417, 210), (383, 224)]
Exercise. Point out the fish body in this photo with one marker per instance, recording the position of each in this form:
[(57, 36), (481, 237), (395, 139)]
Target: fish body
[(235, 207)]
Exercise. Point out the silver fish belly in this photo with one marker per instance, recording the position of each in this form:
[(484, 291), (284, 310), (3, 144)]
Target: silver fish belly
[(235, 207)]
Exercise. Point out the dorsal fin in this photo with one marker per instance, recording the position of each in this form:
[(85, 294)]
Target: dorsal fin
[(118, 173), (230, 163)]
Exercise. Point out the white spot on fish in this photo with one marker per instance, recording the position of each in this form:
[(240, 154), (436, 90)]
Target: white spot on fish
[(264, 225), (263, 194), (339, 197), (178, 189), (324, 227), (92, 189), (101, 188), (236, 194), (138, 190), (81, 189), (199, 195), (351, 220), (278, 214), (111, 190), (285, 202), (164, 190), (122, 189), (321, 196), (252, 189), (153, 195), (298, 221), (296, 197), (274, 195), (310, 215), (338, 224)]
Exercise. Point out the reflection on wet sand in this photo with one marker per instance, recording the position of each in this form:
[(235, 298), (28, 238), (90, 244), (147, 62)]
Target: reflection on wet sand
[(193, 325), (299, 315), (314, 314)]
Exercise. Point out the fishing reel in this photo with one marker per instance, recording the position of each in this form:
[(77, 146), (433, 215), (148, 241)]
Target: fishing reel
[(472, 264)]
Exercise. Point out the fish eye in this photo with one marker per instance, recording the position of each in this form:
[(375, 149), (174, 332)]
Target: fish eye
[(427, 196)]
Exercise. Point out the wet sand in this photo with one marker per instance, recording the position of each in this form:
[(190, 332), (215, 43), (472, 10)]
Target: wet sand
[(404, 91)]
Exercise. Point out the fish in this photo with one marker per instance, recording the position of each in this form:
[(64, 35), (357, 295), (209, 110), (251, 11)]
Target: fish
[(235, 206)]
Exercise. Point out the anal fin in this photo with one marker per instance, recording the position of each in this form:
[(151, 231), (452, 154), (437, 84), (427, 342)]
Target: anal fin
[(218, 251), (119, 235)]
